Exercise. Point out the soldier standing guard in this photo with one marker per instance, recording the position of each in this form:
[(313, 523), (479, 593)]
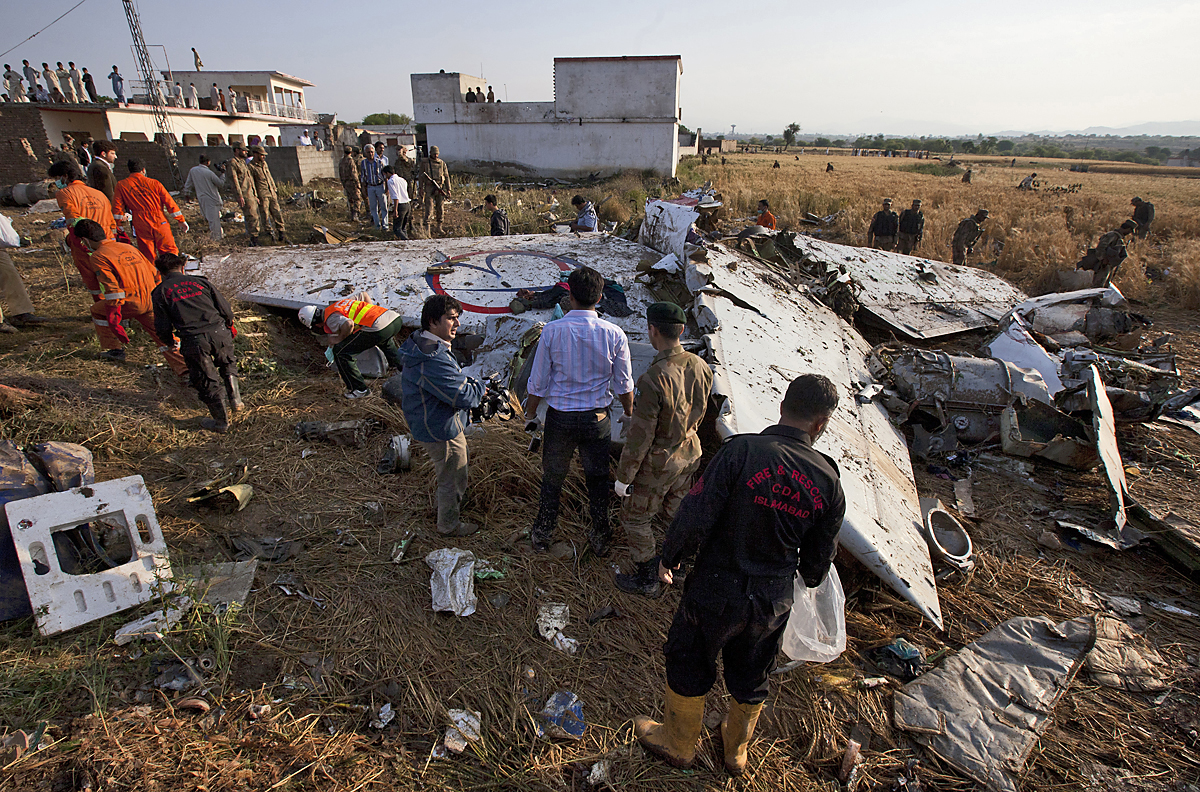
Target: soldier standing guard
[(435, 185), (349, 176), (264, 189), (912, 228), (237, 178), (662, 449)]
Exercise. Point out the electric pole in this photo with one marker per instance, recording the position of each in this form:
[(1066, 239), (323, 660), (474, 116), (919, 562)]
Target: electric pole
[(157, 104)]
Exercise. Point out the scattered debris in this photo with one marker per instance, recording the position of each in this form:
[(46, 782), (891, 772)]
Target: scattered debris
[(340, 433), (605, 612), (984, 709), (1121, 659), (466, 730), (381, 717), (271, 549), (949, 542), (256, 711), (552, 619), (900, 658), (292, 587), (153, 624), (562, 717), (452, 583), (398, 456)]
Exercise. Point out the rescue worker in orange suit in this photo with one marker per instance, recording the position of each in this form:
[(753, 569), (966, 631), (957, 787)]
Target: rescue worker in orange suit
[(352, 326), (144, 199), (127, 280), (765, 218), (78, 201), (188, 306)]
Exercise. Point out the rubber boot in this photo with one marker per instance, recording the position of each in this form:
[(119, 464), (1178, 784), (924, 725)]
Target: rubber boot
[(600, 536), (677, 737), (233, 393), (219, 422), (736, 731), (643, 581)]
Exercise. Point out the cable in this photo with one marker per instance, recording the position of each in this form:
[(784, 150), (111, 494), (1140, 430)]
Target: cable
[(43, 30)]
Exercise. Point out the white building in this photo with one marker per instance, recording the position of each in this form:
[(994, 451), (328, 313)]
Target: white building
[(608, 115)]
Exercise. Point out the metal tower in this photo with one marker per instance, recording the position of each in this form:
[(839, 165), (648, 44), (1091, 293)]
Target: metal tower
[(157, 102)]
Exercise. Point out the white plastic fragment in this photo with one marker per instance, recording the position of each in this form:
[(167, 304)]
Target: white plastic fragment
[(466, 729), (160, 621), (452, 583)]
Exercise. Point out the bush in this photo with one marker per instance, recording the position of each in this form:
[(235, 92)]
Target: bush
[(932, 169)]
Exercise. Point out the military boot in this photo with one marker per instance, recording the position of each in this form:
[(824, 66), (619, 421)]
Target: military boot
[(736, 731), (600, 537), (253, 241), (644, 580), (674, 739), (219, 422), (234, 393)]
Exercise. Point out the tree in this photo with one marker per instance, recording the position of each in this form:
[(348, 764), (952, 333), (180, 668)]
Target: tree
[(822, 142), (987, 145), (789, 134), (684, 130), (1004, 146), (382, 119)]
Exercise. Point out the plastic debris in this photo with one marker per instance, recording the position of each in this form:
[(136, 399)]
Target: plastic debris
[(552, 619), (816, 628), (257, 711), (382, 717), (292, 587), (452, 583), (397, 457), (599, 773), (900, 659), (466, 730), (485, 570), (563, 717), (399, 549)]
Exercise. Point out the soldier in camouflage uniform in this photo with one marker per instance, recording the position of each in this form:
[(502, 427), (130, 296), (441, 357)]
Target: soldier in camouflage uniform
[(967, 234), (349, 175), (1105, 259), (237, 179), (662, 450), (434, 174), (264, 188)]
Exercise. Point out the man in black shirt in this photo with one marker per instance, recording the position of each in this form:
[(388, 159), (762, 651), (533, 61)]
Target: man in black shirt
[(912, 228), (767, 507), (1143, 215), (191, 307), (884, 227), (498, 215)]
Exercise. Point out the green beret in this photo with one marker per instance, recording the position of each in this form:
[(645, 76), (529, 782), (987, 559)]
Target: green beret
[(666, 312)]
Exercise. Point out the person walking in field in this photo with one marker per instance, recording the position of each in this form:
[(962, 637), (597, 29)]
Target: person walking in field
[(1143, 215), (966, 235)]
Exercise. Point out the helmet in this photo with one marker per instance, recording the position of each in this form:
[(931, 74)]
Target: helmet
[(306, 315)]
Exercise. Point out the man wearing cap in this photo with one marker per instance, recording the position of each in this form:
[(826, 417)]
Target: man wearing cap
[(237, 179), (349, 176), (1105, 259), (434, 185), (1143, 215), (884, 227), (912, 228), (966, 235), (662, 448), (264, 190)]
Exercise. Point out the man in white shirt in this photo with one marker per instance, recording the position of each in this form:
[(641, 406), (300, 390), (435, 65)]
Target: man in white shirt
[(214, 96), (192, 100), (581, 360), (379, 147), (206, 184), (305, 140), (178, 95), (76, 81), (400, 203)]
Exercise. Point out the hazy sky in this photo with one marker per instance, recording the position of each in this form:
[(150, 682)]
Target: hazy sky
[(922, 67)]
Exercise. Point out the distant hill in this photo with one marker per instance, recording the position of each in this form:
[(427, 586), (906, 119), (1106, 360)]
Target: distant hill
[(1157, 128)]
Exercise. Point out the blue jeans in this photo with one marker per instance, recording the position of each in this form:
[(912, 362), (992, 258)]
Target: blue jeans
[(377, 205), (590, 432)]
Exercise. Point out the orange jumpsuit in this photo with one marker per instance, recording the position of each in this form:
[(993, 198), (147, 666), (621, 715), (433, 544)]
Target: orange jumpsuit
[(78, 201), (128, 279), (144, 198), (766, 220)]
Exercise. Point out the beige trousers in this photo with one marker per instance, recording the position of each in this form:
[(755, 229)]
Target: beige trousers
[(12, 288), (450, 468)]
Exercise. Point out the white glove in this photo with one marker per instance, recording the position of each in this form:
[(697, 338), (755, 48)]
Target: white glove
[(622, 489), (532, 425), (185, 226), (128, 217)]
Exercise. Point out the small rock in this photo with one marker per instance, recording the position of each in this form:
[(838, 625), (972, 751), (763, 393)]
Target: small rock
[(1050, 540)]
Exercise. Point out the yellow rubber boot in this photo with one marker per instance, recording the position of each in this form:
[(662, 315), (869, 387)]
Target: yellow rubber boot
[(736, 731), (676, 738)]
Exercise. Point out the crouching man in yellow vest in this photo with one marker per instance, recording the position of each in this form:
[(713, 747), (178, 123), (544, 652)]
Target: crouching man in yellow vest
[(352, 326)]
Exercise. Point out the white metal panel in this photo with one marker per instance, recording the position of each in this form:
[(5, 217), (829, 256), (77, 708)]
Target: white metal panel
[(758, 350)]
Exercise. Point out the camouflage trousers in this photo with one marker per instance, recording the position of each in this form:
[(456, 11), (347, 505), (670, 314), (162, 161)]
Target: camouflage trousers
[(353, 197), (652, 493), (908, 243)]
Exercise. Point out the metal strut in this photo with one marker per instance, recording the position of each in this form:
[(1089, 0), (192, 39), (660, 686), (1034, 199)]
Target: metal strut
[(157, 104)]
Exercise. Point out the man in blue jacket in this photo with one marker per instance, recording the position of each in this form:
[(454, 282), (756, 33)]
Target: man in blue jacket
[(435, 396)]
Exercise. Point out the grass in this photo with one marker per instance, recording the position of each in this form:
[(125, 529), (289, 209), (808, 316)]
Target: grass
[(932, 169)]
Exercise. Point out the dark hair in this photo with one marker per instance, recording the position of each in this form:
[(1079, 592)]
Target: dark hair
[(88, 229), (388, 169), (489, 198), (578, 200), (586, 285), (65, 169), (669, 330), (436, 307), (136, 165), (763, 202), (101, 146), (809, 397), (204, 160), (168, 262)]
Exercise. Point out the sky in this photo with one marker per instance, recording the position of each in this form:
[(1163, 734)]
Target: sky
[(917, 67)]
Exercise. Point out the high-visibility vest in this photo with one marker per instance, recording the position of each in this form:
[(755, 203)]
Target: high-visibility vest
[(361, 313)]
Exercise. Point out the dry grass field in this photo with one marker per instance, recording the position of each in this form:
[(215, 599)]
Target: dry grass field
[(373, 639)]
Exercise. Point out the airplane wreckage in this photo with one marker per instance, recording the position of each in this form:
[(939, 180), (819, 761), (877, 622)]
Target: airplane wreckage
[(774, 305)]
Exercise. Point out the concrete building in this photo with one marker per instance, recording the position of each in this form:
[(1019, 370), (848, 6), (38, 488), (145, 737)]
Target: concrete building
[(689, 144), (608, 115)]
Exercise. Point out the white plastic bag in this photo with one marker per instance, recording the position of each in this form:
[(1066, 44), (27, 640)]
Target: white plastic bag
[(9, 238), (453, 580), (816, 630)]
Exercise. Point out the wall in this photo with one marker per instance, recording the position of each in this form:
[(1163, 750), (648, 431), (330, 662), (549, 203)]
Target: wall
[(190, 122), (639, 87), (22, 142)]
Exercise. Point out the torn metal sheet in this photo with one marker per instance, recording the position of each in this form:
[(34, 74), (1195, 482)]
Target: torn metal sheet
[(761, 334), (1034, 429), (1122, 659), (984, 709), (1016, 345), (1114, 532), (666, 227), (484, 274), (917, 297)]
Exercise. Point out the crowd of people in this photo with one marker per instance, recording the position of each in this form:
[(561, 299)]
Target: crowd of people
[(61, 84)]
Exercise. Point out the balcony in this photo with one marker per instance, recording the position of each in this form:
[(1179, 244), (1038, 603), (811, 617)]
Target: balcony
[(141, 95)]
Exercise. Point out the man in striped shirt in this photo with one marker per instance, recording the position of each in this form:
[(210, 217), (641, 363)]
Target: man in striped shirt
[(580, 362), (373, 182)]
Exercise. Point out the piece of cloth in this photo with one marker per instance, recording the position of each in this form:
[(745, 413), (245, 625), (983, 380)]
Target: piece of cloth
[(187, 305), (435, 393), (145, 199), (450, 471), (206, 184), (613, 301), (12, 288), (581, 362), (564, 432), (100, 177), (499, 223), (344, 352)]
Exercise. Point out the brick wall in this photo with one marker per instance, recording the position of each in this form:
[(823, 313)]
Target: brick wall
[(23, 144), (292, 164), (152, 154)]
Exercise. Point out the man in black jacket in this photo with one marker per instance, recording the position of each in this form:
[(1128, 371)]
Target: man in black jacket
[(498, 215), (884, 227), (912, 228), (767, 507), (191, 307)]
